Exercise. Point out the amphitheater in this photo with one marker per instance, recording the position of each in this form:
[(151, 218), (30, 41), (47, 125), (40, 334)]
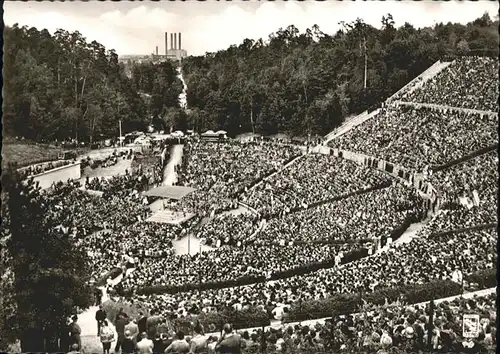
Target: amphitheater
[(395, 208)]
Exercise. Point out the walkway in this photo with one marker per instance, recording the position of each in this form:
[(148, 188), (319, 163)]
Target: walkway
[(88, 324), (169, 175), (189, 245), (407, 236)]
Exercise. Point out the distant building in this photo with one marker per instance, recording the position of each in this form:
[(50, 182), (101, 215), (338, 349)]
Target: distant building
[(175, 52)]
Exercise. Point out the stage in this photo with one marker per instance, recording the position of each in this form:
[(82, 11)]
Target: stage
[(170, 217)]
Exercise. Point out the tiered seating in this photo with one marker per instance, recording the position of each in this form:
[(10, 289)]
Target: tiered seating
[(419, 137), (470, 82)]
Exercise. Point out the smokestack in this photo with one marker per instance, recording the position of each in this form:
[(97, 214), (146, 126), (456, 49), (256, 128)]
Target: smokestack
[(175, 40), (180, 47), (156, 50), (166, 43), (171, 41)]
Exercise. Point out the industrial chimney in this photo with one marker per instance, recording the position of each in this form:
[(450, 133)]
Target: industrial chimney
[(156, 50), (166, 44), (175, 40), (180, 47), (171, 41)]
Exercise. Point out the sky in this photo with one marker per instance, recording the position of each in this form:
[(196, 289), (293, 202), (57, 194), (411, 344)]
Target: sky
[(209, 26)]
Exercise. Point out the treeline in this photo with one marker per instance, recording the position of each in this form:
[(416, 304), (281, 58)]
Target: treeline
[(306, 83), (62, 87)]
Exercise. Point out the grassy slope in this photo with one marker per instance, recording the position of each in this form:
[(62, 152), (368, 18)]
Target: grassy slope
[(25, 153)]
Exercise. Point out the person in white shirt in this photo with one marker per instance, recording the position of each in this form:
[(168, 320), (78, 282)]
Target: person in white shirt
[(145, 346)]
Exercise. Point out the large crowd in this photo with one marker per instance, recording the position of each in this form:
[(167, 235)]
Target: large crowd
[(317, 209), (227, 263), (310, 179), (385, 329), (420, 137), (219, 171), (470, 82), (417, 262), (469, 194)]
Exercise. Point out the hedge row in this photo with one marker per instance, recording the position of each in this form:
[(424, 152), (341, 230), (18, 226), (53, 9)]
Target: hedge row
[(247, 280), (340, 304), (112, 274), (343, 304), (484, 278)]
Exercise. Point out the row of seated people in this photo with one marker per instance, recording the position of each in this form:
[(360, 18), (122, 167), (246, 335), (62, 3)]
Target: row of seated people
[(221, 170), (470, 82), (80, 213), (311, 178), (459, 186), (227, 263), (420, 137), (140, 240), (416, 262), (364, 216)]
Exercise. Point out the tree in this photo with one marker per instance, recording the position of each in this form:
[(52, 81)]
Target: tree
[(57, 87), (51, 274), (463, 47)]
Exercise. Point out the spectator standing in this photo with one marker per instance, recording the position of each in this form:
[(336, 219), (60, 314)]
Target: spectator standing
[(152, 324), (120, 324), (141, 323), (75, 331), (128, 344), (198, 343), (145, 346), (100, 316), (180, 345), (107, 336), (229, 342), (133, 328)]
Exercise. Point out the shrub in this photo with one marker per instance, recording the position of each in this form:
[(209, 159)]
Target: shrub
[(341, 304), (484, 278), (112, 274)]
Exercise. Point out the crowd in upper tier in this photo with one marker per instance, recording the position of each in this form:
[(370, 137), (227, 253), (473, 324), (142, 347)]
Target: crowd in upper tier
[(470, 82), (420, 137), (469, 194), (218, 171), (311, 178)]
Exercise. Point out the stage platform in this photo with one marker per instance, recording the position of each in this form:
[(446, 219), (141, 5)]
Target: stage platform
[(170, 217)]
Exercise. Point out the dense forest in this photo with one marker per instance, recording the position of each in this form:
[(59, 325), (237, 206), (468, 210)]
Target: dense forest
[(306, 83), (159, 86), (60, 87)]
